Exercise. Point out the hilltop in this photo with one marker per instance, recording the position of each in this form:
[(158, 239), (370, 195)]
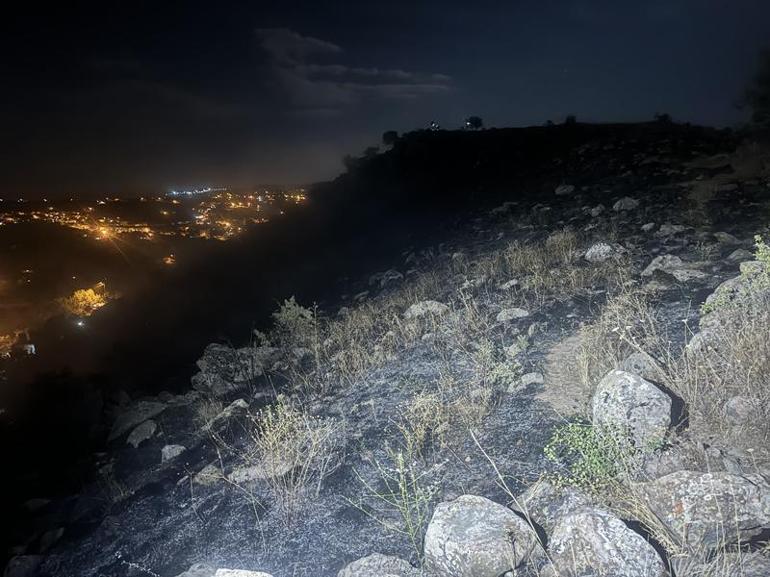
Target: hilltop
[(563, 373)]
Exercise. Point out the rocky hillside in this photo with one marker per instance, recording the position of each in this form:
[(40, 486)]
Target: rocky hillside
[(576, 384)]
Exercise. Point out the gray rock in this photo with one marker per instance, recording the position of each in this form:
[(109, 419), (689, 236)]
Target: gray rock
[(236, 408), (740, 254), (205, 570), (507, 315), (596, 543), (426, 307), (741, 565), (726, 238), (740, 411), (171, 452), (597, 210), (531, 379), (709, 509), (642, 364), (135, 415), (668, 229), (23, 566), (648, 227), (142, 433), (664, 262), (377, 565), (625, 203), (508, 285), (475, 537), (564, 189), (225, 370), (599, 252), (627, 402), (545, 504)]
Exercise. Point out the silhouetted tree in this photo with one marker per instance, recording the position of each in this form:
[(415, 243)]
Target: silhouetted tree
[(663, 118), (757, 96), (571, 119), (474, 123), (389, 137)]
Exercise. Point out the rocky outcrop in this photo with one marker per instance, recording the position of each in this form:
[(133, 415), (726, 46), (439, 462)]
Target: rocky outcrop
[(377, 565), (134, 415), (475, 537), (709, 509), (225, 370), (629, 404), (545, 503), (596, 543)]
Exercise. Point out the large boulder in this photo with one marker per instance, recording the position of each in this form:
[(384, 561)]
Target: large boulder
[(709, 509), (134, 415), (630, 404), (377, 565), (225, 370), (474, 537), (596, 543)]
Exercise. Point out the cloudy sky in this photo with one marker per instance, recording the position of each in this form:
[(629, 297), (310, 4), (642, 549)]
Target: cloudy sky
[(134, 97)]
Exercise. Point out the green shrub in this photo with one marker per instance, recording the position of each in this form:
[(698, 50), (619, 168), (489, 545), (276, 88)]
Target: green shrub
[(590, 458)]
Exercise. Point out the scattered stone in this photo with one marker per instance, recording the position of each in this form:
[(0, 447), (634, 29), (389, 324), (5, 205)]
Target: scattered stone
[(135, 415), (597, 210), (532, 379), (726, 238), (507, 315), (377, 565), (594, 542), (664, 262), (630, 403), (564, 189), (648, 227), (171, 452), (505, 208), (709, 509), (423, 308), (209, 475), (668, 229), (599, 252), (625, 203), (546, 504), (142, 433), (740, 254), (514, 350), (508, 285), (475, 537), (726, 187), (237, 407)]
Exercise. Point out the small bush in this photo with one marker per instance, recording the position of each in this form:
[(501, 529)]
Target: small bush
[(590, 458), (294, 451)]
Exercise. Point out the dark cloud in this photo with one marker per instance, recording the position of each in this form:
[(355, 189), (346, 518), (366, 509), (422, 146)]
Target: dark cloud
[(326, 89)]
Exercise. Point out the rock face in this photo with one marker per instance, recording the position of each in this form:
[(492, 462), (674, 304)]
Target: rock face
[(377, 565), (596, 543), (224, 369), (475, 537), (423, 308), (564, 189), (630, 403), (135, 415), (710, 508)]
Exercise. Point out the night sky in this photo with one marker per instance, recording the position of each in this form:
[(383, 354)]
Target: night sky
[(134, 97)]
